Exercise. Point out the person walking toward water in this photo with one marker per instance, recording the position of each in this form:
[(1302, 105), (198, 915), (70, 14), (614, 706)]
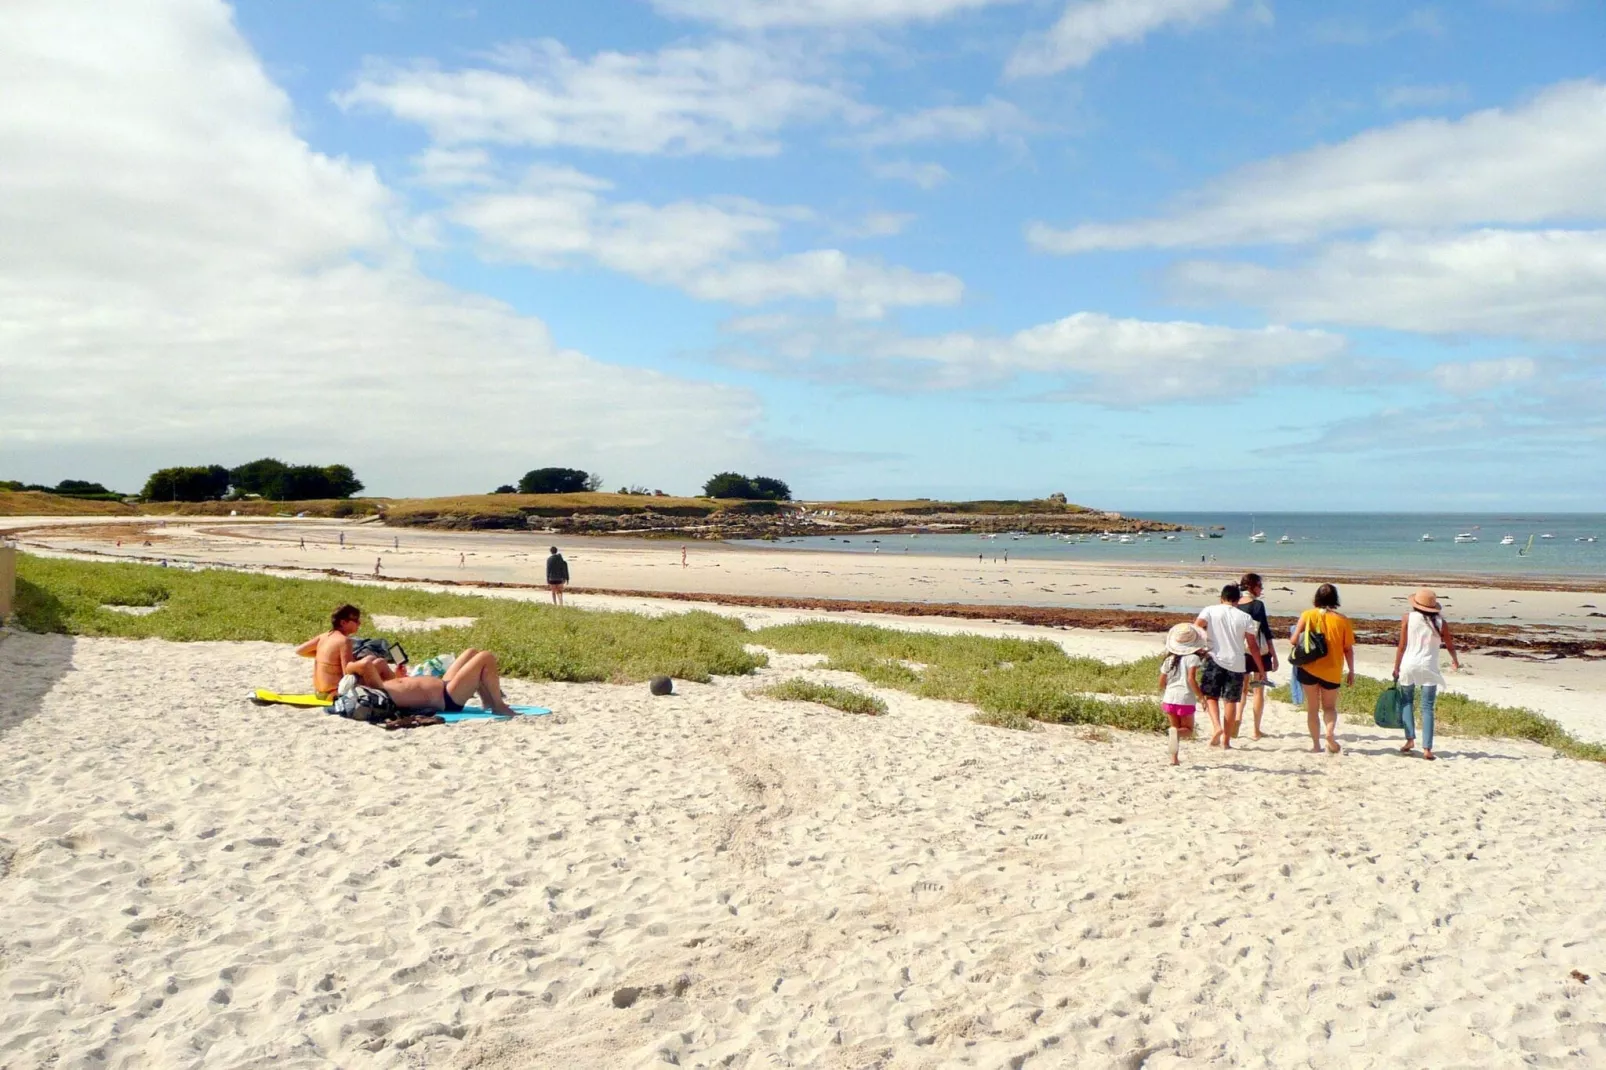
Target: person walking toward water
[(557, 575), (682, 557), (1251, 585), (1179, 683), (1233, 645), (342, 540), (376, 568), (1416, 665), (1320, 674), (460, 560)]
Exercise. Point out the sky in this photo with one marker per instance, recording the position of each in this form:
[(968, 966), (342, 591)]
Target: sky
[(1152, 254)]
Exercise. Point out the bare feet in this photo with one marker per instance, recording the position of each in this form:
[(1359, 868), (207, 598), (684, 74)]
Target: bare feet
[(1427, 754), (1332, 745), (1175, 760), (1317, 749), (1257, 735), (1410, 743)]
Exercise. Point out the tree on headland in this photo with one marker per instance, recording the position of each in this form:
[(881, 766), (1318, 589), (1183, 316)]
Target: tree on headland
[(736, 485), (273, 479), (195, 483), (506, 488), (558, 481), (67, 488)]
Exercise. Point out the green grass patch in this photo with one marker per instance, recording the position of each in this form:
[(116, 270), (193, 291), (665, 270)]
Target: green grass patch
[(531, 641), (838, 698), (1003, 677), (1458, 715)]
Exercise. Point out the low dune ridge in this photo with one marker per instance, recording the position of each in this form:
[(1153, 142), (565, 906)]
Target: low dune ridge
[(722, 879)]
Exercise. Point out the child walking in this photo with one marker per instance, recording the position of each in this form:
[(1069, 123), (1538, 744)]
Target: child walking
[(1179, 683)]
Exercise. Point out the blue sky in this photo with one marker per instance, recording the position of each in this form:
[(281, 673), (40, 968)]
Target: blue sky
[(1155, 254)]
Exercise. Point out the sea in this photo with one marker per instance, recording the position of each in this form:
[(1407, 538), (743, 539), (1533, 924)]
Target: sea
[(1563, 545)]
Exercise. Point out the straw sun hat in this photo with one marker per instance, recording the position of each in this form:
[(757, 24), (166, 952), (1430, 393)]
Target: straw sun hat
[(1425, 600), (1184, 639)]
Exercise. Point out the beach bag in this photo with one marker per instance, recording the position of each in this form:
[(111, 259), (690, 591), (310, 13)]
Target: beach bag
[(435, 666), (384, 649), (363, 703), (1310, 646), (1388, 712)]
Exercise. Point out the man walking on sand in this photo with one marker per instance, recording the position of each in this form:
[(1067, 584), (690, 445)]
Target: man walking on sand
[(557, 575), (1233, 635)]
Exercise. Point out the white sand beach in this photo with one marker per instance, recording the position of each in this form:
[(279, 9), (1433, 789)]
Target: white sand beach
[(716, 879)]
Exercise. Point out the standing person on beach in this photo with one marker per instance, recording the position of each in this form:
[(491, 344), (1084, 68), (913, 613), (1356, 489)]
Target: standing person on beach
[(1320, 676), (1423, 630), (1232, 639), (557, 574), (1251, 585), (1179, 682), (682, 557)]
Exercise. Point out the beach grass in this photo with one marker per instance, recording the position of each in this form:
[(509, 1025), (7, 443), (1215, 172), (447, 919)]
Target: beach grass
[(531, 641), (1010, 681), (1005, 678), (838, 698), (1458, 715)]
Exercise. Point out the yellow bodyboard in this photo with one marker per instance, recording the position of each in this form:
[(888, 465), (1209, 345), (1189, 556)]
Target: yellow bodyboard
[(274, 698)]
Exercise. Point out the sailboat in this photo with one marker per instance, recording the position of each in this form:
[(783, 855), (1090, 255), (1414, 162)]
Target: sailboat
[(1255, 534), (1286, 540), (1526, 550)]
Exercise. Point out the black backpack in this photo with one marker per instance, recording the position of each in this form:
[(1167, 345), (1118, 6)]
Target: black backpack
[(363, 703)]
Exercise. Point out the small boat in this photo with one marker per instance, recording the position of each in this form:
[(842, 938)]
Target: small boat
[(1285, 541), (1170, 538), (1427, 537), (1585, 538), (1259, 536), (1125, 539), (1508, 540), (1547, 536), (1200, 535), (1466, 536)]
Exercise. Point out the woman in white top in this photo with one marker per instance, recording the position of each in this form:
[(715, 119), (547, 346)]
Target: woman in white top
[(1416, 665)]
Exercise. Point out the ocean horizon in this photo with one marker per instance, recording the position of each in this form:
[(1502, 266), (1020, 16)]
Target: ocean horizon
[(1390, 542)]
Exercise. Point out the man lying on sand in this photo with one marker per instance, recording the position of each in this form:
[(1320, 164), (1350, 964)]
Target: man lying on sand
[(474, 672), (331, 653)]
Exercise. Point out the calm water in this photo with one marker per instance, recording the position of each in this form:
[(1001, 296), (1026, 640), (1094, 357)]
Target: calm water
[(1375, 542)]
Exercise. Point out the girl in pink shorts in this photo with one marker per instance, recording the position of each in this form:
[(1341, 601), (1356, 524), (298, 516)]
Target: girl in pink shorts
[(1179, 682)]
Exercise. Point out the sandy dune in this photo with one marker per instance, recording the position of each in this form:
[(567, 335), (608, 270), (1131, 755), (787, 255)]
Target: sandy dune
[(720, 880)]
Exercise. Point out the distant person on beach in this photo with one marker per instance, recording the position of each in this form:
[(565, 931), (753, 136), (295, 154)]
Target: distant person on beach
[(331, 654), (376, 567), (1320, 677), (472, 672), (557, 575), (682, 557), (1233, 646), (1251, 585), (1423, 630), (460, 560), (342, 539), (1179, 682)]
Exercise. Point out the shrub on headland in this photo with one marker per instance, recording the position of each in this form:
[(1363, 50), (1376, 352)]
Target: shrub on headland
[(736, 485)]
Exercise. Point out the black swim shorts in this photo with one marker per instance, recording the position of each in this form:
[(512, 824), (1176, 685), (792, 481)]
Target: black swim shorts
[(1219, 683), (1307, 680)]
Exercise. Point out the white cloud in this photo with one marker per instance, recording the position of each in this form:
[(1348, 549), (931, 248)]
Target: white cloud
[(1088, 27), (446, 168), (707, 250), (1423, 96), (1482, 376), (1094, 357), (923, 174), (954, 122), (881, 224), (1537, 162), (1548, 284), (727, 98), (862, 289), (771, 14), (186, 281)]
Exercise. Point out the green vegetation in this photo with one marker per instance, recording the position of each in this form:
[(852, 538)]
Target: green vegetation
[(736, 485), (840, 698), (49, 503), (1009, 679), (67, 488), (532, 641), (558, 481), (1457, 715), (273, 479)]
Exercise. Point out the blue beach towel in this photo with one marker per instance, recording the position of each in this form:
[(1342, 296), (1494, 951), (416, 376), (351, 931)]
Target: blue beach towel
[(474, 713)]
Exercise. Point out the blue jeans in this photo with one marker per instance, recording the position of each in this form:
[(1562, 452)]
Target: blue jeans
[(1430, 698)]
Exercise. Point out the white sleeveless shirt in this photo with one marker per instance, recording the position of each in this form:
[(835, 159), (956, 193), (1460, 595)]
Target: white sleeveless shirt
[(1419, 666)]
